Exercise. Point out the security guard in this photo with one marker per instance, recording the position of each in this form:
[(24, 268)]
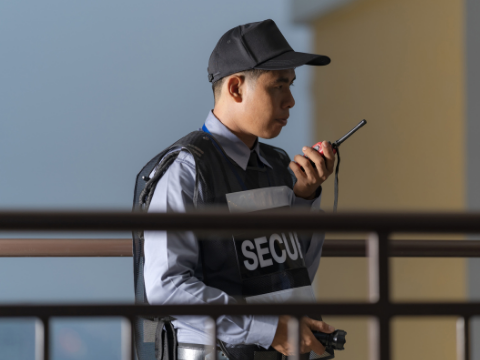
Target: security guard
[(224, 164)]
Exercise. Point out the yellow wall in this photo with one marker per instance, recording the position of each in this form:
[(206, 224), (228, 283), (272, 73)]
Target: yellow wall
[(399, 64)]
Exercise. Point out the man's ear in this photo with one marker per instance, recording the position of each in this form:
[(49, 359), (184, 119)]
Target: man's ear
[(235, 87)]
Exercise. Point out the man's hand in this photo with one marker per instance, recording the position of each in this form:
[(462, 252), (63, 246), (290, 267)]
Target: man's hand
[(309, 180), (308, 342)]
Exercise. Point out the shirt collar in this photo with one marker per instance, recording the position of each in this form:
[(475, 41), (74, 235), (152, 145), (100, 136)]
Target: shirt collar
[(233, 146)]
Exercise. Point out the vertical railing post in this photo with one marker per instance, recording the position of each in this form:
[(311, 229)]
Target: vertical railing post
[(379, 292), (384, 294), (127, 335), (212, 323), (46, 337), (463, 338), (294, 337), (133, 349), (39, 335), (373, 268), (467, 337), (373, 337)]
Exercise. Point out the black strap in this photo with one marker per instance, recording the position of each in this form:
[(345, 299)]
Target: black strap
[(172, 340), (335, 202), (165, 341), (159, 348)]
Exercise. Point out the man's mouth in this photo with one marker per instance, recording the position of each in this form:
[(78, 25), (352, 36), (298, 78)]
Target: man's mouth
[(282, 121)]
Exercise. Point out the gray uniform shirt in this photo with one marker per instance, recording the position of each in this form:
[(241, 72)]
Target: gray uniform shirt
[(172, 264)]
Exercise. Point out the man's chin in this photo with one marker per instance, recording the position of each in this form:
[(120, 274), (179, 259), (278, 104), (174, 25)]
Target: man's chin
[(272, 134)]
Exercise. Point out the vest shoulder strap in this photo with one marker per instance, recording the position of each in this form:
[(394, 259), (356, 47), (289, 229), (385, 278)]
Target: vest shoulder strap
[(194, 143)]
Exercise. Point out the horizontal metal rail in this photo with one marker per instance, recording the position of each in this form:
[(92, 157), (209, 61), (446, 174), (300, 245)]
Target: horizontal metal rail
[(65, 247), (331, 248), (298, 310), (405, 248), (221, 221)]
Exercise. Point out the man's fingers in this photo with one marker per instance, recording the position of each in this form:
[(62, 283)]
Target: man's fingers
[(329, 155), (311, 153), (307, 166), (319, 326), (297, 170), (319, 161)]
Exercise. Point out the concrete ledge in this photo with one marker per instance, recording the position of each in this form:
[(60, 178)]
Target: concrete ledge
[(308, 10)]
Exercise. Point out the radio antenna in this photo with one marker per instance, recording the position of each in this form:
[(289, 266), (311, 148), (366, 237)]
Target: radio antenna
[(350, 133)]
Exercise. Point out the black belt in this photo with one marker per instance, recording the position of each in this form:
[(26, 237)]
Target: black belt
[(204, 352)]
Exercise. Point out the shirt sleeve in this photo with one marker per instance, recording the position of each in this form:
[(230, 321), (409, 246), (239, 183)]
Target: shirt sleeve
[(172, 270), (311, 243)]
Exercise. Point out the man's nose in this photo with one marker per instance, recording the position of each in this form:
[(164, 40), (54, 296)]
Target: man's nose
[(289, 102)]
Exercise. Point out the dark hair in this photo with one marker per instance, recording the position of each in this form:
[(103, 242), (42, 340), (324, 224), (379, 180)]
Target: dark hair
[(252, 74)]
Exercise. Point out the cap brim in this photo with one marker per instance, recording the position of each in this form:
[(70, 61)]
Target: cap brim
[(292, 59)]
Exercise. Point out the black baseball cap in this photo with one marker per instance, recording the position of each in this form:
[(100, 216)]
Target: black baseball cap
[(258, 45)]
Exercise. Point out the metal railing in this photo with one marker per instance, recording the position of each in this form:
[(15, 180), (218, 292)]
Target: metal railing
[(378, 247), (104, 247)]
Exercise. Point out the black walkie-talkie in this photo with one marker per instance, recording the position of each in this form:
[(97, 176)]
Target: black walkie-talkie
[(333, 341), (335, 145)]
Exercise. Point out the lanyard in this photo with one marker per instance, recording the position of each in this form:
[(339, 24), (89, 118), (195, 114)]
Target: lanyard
[(335, 202)]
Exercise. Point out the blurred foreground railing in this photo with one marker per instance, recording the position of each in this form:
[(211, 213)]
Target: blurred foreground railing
[(378, 248), (102, 247)]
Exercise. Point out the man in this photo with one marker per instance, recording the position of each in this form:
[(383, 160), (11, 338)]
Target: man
[(252, 70)]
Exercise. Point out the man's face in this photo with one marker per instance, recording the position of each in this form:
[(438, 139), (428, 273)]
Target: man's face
[(267, 102)]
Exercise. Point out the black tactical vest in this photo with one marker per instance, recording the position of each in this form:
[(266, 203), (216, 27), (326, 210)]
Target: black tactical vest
[(218, 176)]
